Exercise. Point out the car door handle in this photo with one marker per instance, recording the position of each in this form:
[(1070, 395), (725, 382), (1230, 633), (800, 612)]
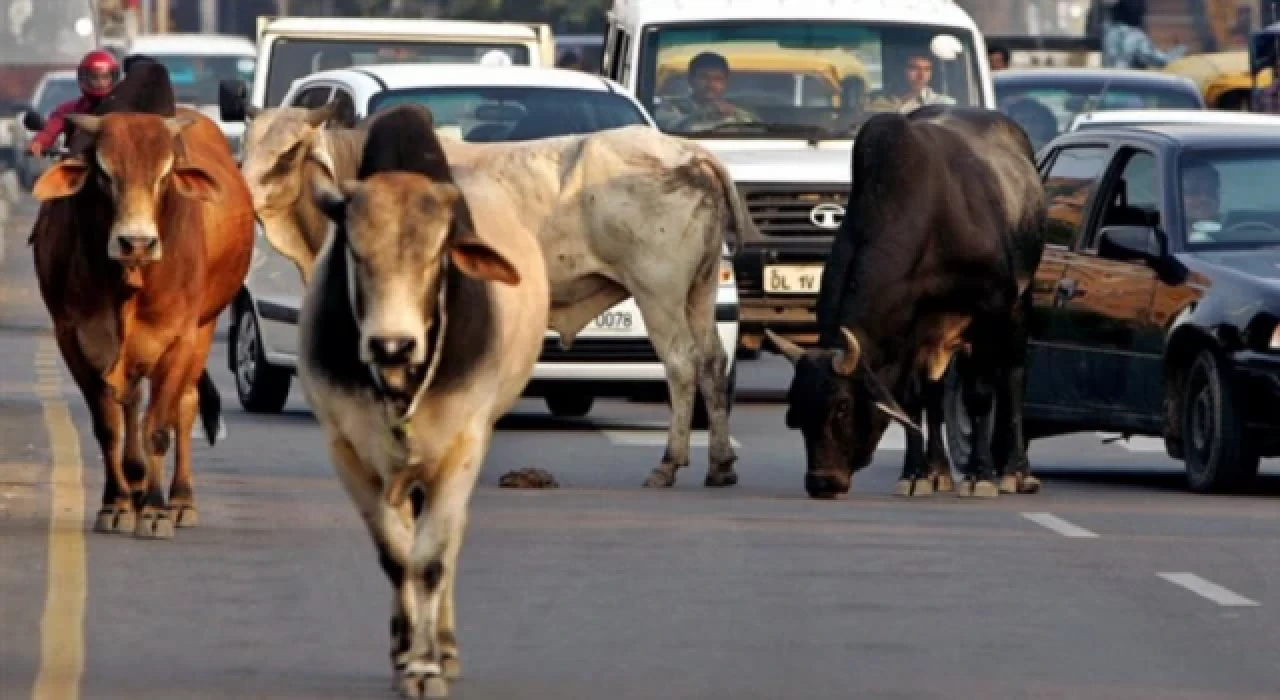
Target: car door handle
[(1066, 290)]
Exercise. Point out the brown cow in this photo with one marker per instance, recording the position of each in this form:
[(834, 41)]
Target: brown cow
[(141, 241)]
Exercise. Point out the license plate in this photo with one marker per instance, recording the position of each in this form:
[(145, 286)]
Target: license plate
[(615, 322), (792, 279)]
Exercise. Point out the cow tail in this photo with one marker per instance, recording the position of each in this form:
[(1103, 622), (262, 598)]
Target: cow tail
[(210, 406), (743, 226)]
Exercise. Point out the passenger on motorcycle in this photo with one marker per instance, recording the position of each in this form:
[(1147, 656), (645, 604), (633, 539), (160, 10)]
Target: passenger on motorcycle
[(97, 74)]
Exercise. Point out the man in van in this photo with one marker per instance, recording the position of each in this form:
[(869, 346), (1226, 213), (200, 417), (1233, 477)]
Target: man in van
[(918, 72), (705, 107)]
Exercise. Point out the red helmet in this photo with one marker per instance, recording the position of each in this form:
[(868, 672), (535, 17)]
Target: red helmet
[(97, 73)]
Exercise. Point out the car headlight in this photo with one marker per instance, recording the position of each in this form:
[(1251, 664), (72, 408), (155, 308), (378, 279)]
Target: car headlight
[(726, 273), (1275, 339)]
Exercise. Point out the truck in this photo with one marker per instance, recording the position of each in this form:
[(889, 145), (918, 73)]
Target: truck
[(291, 47), (806, 73)]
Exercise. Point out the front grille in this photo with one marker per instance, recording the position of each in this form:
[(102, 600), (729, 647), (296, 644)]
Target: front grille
[(599, 350), (787, 209)]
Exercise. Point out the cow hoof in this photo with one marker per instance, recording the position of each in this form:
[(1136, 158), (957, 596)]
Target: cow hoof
[(719, 479), (185, 516), (660, 479), (154, 526), (980, 489), (423, 680), (451, 668), (943, 483), (112, 521), (1009, 484), (1028, 485), (914, 487)]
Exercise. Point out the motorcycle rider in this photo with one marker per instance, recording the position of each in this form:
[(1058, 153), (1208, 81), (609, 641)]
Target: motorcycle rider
[(97, 73)]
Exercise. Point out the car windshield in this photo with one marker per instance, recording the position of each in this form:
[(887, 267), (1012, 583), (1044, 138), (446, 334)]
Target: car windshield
[(294, 58), (1228, 198), (1045, 110), (55, 93), (516, 113), (801, 79), (195, 77)]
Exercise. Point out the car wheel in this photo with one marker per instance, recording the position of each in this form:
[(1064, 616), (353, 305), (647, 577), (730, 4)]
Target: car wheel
[(570, 404), (701, 419), (263, 388), (1215, 448)]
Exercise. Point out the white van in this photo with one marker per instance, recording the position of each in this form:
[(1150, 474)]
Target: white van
[(802, 73), (292, 47)]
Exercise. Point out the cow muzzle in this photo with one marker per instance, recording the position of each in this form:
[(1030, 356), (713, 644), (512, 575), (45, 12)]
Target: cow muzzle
[(135, 246), (398, 360)]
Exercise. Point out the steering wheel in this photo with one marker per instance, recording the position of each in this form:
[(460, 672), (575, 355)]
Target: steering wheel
[(1247, 225)]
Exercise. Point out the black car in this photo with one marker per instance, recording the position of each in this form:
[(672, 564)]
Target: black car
[(1045, 100), (1157, 303)]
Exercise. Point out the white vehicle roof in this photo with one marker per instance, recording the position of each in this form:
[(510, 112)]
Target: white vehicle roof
[(944, 13), (59, 75), (347, 26), (193, 45), (1120, 117), (398, 76)]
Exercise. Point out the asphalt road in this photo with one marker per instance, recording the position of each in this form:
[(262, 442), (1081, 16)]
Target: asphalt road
[(1112, 583)]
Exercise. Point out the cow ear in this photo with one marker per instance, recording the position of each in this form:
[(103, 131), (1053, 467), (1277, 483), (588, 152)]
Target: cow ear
[(62, 180), (478, 260), (196, 183)]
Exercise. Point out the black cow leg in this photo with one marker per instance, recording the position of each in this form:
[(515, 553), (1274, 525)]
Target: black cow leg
[(1017, 477), (979, 399), (939, 464), (915, 471)]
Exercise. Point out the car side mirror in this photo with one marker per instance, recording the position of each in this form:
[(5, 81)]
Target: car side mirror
[(1144, 243), (233, 100), (32, 121)]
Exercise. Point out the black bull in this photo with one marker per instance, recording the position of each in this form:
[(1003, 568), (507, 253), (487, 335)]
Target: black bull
[(935, 257)]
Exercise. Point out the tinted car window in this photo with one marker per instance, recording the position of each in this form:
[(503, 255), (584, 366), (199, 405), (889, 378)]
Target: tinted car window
[(195, 77), (1072, 178), (516, 113), (1229, 199)]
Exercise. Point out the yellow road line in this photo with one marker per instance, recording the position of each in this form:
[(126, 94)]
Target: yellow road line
[(62, 624)]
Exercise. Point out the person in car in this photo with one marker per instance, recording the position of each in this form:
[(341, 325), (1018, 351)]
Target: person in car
[(1201, 193), (918, 72), (97, 73), (706, 106)]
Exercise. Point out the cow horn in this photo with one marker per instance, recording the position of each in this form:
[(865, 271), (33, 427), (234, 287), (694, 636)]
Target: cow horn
[(175, 125), (892, 410), (317, 116), (845, 361), (86, 122), (785, 347)]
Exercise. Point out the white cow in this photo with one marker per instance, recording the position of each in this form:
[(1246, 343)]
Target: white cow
[(623, 212), (419, 330)]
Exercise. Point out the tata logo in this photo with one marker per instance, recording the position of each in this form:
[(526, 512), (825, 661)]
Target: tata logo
[(827, 215)]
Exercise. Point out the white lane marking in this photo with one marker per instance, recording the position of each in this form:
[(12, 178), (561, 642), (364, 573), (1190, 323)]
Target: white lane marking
[(1206, 589), (1136, 443), (658, 438), (1058, 525)]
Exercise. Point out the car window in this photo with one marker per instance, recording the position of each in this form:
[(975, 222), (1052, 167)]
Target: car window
[(1228, 198), (1052, 107), (293, 58), (312, 97), (516, 113), (195, 77), (346, 110), (55, 93), (1133, 198), (1072, 178)]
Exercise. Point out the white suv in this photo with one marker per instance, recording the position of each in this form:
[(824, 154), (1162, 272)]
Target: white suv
[(611, 357)]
